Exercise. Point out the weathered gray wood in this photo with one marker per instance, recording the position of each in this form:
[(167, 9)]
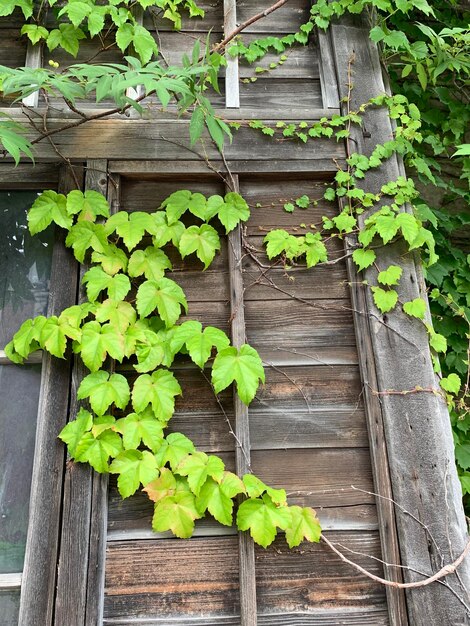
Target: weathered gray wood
[(417, 427), (39, 579), (378, 449), (328, 80), (27, 176), (200, 579), (79, 508), (367, 617), (246, 553), (147, 139), (232, 93), (97, 181)]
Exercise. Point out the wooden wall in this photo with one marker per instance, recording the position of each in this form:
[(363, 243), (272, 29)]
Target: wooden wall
[(308, 434)]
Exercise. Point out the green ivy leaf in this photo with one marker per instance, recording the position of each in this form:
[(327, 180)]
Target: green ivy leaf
[(200, 344), (165, 232), (390, 276), (119, 314), (262, 518), (217, 497), (158, 389), (315, 249), (278, 241), (85, 235), (304, 524), (173, 450), (165, 296), (97, 341), (233, 211), (176, 513), (438, 342), (164, 485), (256, 487), (415, 308), (34, 32), (151, 262), (112, 259), (385, 300), (54, 336), (134, 468), (243, 366), (196, 125), (198, 467), (67, 37), (27, 337), (203, 240), (140, 427), (96, 280), (97, 450), (73, 432), (363, 258), (88, 205), (47, 208), (409, 226), (131, 226), (104, 389), (451, 383)]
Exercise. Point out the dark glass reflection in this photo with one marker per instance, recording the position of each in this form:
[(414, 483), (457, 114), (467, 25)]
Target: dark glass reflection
[(19, 391), (25, 264)]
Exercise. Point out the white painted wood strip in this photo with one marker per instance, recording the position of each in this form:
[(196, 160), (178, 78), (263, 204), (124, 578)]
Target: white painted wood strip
[(10, 581), (328, 78), (35, 357), (33, 61), (232, 90)]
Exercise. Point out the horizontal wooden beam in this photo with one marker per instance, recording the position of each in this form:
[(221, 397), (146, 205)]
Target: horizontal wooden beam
[(10, 581)]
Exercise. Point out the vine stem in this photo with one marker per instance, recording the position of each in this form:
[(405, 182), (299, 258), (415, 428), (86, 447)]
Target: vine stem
[(444, 571)]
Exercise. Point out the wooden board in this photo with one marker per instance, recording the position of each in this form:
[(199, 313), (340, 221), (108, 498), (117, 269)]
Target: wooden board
[(159, 580)]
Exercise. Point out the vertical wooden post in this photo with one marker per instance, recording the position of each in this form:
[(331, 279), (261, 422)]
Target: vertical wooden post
[(42, 545), (246, 546), (77, 527), (232, 92)]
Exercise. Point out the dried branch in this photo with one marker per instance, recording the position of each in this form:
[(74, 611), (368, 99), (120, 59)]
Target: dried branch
[(444, 571)]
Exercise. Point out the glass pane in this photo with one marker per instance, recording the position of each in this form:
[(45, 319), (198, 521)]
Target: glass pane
[(25, 264), (9, 607), (19, 391)]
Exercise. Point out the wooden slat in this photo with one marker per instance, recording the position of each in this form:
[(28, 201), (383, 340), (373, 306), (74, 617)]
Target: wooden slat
[(28, 176), (33, 61), (268, 95), (246, 552), (10, 581), (78, 507), (335, 471), (39, 579), (232, 94), (417, 427), (100, 139), (328, 79), (199, 579), (97, 181)]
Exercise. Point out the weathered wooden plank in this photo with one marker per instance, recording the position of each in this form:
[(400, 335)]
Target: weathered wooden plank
[(97, 181), (12, 47), (232, 92), (378, 449), (200, 579), (328, 79), (133, 521), (311, 576), (24, 176), (351, 616), (147, 195), (417, 428), (271, 94), (148, 139), (302, 63), (39, 579), (79, 509), (246, 553)]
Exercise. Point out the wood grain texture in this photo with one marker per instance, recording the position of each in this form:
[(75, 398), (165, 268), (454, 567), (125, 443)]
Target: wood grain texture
[(79, 508), (147, 139), (246, 551), (39, 579), (200, 579), (417, 427), (24, 176), (232, 91)]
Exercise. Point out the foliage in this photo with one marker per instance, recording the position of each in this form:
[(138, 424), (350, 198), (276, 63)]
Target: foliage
[(429, 67), (184, 483)]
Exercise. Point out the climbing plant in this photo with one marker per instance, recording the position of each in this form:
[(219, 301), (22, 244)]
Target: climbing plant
[(185, 483)]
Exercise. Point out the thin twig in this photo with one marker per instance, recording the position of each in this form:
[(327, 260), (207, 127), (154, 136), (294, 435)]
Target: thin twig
[(444, 571)]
